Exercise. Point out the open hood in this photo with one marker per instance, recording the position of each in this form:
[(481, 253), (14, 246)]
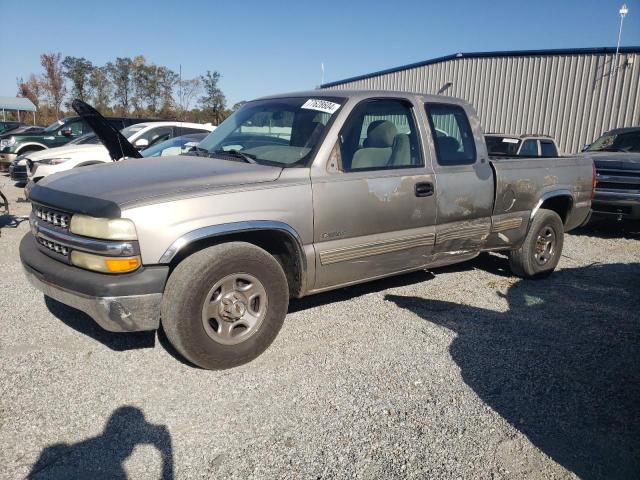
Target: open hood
[(117, 145)]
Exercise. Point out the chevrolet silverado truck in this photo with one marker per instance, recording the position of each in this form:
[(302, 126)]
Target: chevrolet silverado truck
[(290, 196), (616, 155), (527, 145)]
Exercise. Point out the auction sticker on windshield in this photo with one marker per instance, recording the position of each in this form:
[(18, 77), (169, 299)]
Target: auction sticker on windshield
[(510, 140), (321, 105)]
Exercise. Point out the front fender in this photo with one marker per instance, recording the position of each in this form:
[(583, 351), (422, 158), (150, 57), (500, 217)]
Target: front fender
[(229, 228)]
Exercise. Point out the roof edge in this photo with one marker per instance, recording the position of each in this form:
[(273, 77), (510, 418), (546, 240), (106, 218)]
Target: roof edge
[(510, 53)]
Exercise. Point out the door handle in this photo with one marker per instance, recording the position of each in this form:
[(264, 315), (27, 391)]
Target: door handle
[(424, 189)]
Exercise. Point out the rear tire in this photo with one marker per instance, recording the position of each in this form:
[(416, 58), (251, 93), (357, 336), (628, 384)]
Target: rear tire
[(539, 254), (224, 305)]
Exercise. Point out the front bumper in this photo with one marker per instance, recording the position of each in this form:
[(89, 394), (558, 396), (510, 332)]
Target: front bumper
[(618, 203), (118, 303)]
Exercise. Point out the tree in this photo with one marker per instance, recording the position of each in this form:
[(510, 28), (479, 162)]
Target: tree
[(101, 88), (140, 72), (167, 80), (120, 74), (31, 88), (188, 90), (78, 71), (213, 101), (53, 82), (238, 106)]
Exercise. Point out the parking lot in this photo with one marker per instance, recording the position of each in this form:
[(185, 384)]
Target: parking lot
[(463, 372)]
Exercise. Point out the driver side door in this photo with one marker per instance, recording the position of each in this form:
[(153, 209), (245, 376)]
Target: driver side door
[(376, 215)]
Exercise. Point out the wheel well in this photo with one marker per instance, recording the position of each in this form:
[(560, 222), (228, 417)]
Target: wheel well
[(29, 148), (279, 244), (560, 204)]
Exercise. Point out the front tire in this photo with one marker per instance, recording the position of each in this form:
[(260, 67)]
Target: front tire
[(225, 304), (539, 254)]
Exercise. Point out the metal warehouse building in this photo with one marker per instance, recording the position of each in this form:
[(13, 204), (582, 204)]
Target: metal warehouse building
[(573, 95)]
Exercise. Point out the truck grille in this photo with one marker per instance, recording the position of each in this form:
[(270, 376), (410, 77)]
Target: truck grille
[(53, 246), (52, 217), (618, 179)]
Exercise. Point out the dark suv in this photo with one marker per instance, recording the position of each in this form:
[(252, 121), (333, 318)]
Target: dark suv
[(616, 155), (55, 135)]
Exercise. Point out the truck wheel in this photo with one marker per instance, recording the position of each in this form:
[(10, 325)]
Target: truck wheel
[(224, 305), (540, 252)]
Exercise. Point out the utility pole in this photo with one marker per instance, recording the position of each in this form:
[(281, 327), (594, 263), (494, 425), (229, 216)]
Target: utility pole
[(180, 91), (623, 13)]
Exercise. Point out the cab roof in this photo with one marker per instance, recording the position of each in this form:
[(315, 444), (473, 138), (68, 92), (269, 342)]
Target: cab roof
[(365, 94)]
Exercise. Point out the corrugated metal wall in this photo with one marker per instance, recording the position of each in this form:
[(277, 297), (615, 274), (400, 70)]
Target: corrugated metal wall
[(572, 97)]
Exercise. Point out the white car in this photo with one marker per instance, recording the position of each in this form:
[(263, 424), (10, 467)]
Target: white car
[(141, 135)]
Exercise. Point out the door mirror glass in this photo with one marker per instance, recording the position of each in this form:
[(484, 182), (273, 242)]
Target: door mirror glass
[(66, 132)]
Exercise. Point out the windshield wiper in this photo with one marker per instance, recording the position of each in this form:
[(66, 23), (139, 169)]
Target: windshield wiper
[(235, 153)]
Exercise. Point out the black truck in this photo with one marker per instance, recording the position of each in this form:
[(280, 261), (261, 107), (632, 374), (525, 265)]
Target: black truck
[(616, 155)]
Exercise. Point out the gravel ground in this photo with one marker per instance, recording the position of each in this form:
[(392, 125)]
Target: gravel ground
[(463, 373)]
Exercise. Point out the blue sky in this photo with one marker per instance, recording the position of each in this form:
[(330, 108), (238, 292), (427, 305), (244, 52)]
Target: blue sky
[(268, 46)]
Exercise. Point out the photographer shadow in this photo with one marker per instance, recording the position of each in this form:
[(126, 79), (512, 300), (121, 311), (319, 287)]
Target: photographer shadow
[(562, 365), (103, 456)]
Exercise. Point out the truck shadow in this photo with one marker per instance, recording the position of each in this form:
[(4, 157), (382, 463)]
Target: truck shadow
[(84, 324), (104, 455), (562, 365), (492, 263), (608, 228)]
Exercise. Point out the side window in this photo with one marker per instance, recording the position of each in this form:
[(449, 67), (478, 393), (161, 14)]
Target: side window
[(157, 135), (548, 149), (529, 148), (380, 134), (452, 134), (179, 131)]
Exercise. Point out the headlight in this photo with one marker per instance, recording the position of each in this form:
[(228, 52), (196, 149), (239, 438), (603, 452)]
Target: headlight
[(53, 161), (102, 264), (7, 142), (104, 228)]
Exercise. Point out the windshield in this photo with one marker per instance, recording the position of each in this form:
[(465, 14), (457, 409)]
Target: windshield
[(130, 130), (173, 146), (86, 139), (53, 127), (502, 145), (617, 142), (280, 131)]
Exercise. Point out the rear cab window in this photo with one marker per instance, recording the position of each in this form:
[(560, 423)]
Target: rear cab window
[(452, 134), (529, 148), (548, 149)]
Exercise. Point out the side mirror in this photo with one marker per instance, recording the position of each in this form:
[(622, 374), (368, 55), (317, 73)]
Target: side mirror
[(141, 143), (66, 132)]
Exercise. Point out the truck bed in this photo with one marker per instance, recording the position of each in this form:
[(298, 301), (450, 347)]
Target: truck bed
[(523, 183)]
